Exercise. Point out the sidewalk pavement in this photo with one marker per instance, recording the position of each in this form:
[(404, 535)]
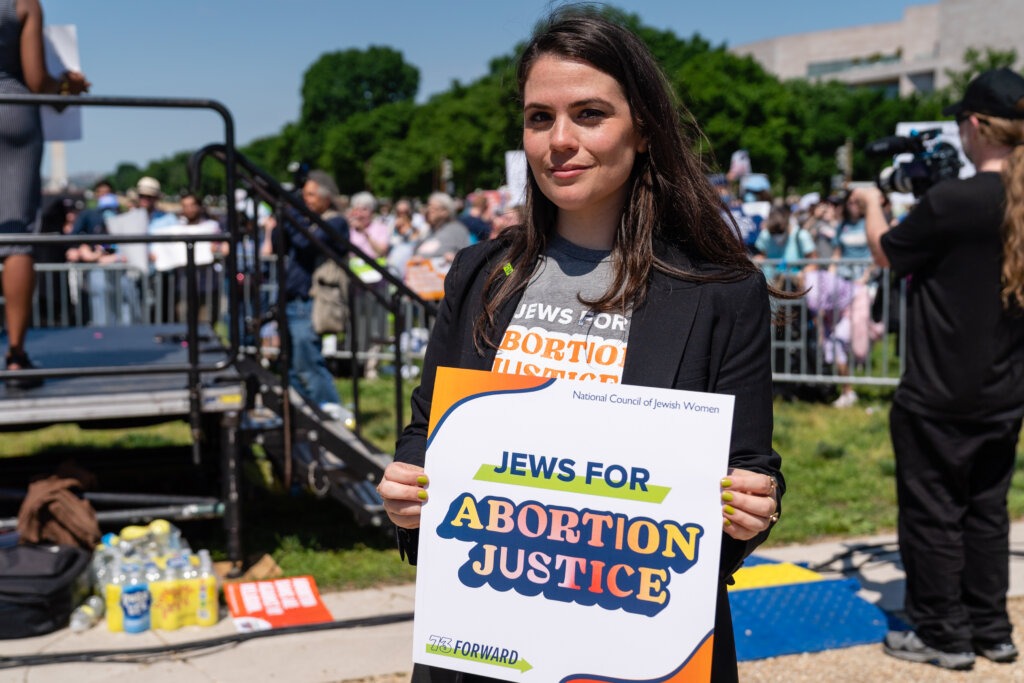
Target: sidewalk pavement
[(363, 653)]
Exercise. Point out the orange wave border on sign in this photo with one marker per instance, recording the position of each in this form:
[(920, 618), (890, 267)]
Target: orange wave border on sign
[(696, 669), (453, 385)]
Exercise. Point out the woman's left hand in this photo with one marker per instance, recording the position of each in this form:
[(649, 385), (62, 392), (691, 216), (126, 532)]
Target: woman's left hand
[(749, 503)]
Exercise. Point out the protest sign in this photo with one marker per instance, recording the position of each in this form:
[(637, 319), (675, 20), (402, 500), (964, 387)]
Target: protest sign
[(133, 222), (171, 255), (572, 531), (60, 50)]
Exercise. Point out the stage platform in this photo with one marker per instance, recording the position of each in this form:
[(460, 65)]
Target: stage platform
[(139, 375)]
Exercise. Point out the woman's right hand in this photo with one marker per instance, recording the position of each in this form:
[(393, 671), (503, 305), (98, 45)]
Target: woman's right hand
[(403, 489), (75, 83)]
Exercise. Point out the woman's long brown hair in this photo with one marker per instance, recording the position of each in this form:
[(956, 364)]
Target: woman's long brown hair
[(670, 199), (1010, 133)]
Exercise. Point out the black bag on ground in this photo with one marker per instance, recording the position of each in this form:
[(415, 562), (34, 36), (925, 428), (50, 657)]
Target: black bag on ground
[(39, 585)]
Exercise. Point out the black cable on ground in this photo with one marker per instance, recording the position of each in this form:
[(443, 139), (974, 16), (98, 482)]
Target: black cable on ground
[(149, 654), (873, 551)]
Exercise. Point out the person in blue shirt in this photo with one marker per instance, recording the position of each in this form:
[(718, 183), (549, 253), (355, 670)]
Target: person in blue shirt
[(309, 373), (782, 239), (851, 241)]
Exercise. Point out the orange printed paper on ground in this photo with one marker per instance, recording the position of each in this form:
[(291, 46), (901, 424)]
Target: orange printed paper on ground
[(572, 530), (276, 603)]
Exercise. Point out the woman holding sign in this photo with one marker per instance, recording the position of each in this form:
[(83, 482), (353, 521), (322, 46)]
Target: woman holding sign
[(624, 271)]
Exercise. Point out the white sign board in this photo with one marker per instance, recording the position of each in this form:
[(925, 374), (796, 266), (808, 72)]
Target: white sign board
[(61, 50), (171, 255), (515, 174), (134, 222), (572, 531)]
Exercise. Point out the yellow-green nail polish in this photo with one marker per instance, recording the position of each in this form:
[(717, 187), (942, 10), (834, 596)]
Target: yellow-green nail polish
[(729, 509), (421, 494), (726, 483), (422, 480), (726, 522), (727, 496)]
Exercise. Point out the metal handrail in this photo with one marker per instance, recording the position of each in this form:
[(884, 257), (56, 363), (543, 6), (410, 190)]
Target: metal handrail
[(269, 189), (193, 368), (272, 191)]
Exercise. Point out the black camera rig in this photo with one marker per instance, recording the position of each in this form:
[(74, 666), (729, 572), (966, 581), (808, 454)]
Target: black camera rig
[(932, 161)]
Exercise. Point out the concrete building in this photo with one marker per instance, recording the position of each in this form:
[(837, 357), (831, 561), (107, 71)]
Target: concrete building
[(906, 56)]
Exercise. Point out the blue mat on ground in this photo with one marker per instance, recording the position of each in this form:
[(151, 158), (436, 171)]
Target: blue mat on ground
[(799, 615)]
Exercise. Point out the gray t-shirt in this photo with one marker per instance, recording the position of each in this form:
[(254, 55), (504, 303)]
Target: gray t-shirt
[(552, 334)]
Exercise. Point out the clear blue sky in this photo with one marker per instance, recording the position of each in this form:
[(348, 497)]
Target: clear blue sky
[(251, 54)]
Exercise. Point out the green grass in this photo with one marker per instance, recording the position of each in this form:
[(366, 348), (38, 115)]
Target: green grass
[(377, 405), (838, 466), (309, 535), (70, 438), (840, 470)]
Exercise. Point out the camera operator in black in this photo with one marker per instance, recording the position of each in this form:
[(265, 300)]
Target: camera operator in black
[(957, 412)]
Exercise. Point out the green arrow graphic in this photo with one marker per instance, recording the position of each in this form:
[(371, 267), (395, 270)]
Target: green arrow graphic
[(521, 664)]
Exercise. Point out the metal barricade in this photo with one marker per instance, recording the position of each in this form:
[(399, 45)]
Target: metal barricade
[(117, 294), (374, 340), (812, 334), (846, 328), (822, 337)]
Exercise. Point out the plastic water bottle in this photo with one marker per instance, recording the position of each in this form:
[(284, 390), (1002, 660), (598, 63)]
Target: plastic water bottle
[(151, 570), (208, 606), (329, 345), (159, 533), (132, 540), (103, 557), (87, 614), (135, 600)]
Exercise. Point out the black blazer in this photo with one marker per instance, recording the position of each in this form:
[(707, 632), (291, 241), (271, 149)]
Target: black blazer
[(713, 337)]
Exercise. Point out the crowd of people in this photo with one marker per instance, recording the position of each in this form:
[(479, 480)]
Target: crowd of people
[(620, 220), (817, 246), (108, 285)]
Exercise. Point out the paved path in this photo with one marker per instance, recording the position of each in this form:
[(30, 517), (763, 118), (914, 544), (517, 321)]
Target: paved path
[(374, 653)]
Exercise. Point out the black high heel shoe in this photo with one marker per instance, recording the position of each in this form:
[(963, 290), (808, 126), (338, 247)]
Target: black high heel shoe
[(21, 360)]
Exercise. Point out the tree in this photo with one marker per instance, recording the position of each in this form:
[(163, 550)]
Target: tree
[(126, 176), (359, 120), (270, 153), (340, 84), (349, 145), (975, 62), (472, 125)]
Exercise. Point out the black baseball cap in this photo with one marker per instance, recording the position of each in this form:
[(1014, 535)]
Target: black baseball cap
[(998, 92)]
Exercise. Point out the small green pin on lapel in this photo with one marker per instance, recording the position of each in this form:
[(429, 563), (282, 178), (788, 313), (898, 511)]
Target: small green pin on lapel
[(508, 269)]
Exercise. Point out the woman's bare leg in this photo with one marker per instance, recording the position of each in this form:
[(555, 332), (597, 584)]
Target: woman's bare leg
[(19, 283)]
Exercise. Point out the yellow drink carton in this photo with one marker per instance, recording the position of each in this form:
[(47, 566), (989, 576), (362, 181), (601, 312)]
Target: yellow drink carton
[(112, 598), (173, 596)]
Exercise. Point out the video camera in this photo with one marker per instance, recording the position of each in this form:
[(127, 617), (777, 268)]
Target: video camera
[(932, 161)]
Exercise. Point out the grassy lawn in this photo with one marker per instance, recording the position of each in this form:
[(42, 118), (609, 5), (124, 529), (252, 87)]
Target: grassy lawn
[(838, 466)]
